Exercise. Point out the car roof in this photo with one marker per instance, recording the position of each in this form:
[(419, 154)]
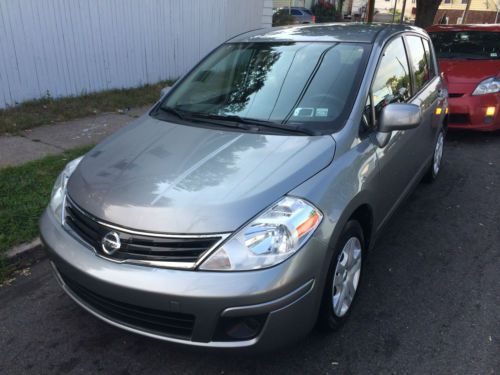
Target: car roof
[(333, 32), (469, 27)]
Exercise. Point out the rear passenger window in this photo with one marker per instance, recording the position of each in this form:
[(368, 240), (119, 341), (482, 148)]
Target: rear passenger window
[(430, 58), (296, 12), (418, 61), (392, 80)]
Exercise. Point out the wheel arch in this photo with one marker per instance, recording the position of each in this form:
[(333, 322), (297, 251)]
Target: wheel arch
[(364, 216), (362, 211)]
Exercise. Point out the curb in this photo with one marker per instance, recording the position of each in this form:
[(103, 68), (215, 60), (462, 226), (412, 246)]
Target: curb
[(25, 254)]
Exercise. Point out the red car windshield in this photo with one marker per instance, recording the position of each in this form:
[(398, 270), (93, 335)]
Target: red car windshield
[(467, 45)]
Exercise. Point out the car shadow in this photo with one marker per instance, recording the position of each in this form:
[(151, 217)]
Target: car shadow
[(469, 136)]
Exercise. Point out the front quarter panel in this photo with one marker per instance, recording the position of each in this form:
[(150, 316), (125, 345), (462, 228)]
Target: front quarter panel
[(341, 188)]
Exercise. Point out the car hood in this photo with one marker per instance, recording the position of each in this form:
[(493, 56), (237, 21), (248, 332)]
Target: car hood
[(163, 177), (468, 71)]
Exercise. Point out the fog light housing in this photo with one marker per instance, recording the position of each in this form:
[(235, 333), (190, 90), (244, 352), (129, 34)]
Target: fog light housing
[(240, 328), (489, 114)]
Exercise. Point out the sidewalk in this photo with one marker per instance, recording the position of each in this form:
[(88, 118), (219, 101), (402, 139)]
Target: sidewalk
[(53, 139)]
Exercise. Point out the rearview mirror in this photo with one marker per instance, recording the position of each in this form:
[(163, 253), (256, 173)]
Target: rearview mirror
[(399, 116), (164, 91)]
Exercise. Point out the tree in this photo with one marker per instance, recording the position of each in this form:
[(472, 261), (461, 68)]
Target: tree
[(370, 9), (426, 11), (466, 11)]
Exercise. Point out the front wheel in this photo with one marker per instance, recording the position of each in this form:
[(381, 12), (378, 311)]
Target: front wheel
[(343, 277), (437, 158)]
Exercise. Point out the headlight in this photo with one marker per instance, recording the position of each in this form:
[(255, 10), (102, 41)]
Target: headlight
[(59, 189), (269, 239), (488, 86)]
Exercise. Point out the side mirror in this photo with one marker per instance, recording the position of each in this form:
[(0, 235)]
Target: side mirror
[(164, 91), (399, 116)]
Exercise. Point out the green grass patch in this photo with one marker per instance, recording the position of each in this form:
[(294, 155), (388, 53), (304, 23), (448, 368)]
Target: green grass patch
[(24, 194), (48, 110)]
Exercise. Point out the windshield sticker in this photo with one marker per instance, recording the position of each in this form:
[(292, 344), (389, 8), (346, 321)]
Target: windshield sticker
[(493, 54), (321, 112), (303, 112)]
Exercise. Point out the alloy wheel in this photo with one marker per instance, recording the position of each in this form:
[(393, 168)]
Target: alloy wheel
[(438, 154), (346, 277)]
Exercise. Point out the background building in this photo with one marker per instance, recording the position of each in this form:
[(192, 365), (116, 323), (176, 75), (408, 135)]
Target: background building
[(384, 9), (295, 3), (387, 6), (480, 11)]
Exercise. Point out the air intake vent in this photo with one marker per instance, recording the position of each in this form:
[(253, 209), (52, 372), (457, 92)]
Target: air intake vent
[(145, 319)]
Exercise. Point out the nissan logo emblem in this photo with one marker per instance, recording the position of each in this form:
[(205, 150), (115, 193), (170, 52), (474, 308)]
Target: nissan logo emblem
[(111, 243)]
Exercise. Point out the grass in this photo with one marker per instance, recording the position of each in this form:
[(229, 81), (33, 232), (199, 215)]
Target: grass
[(24, 193), (48, 110)]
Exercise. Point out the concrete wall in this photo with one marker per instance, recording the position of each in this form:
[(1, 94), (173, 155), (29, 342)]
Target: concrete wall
[(68, 47)]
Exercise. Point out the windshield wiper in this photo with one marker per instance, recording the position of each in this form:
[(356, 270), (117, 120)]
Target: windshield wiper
[(257, 122), (199, 117), (228, 121), (234, 121)]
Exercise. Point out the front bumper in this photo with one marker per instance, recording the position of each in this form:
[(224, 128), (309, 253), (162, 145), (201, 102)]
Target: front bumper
[(469, 112), (286, 296)]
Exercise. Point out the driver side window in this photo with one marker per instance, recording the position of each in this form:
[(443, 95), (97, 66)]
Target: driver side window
[(392, 80)]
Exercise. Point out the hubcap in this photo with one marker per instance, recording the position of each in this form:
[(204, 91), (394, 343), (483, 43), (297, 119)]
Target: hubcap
[(438, 154), (346, 277)]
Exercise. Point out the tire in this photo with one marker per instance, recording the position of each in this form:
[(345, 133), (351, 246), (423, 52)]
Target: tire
[(335, 309), (435, 167)]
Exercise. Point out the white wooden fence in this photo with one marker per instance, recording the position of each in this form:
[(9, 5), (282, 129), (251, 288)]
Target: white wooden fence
[(68, 47)]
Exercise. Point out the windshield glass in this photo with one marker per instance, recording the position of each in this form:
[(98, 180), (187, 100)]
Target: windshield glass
[(481, 45), (292, 84)]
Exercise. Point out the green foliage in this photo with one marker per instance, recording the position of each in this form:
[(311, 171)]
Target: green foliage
[(48, 110), (324, 12), (24, 194)]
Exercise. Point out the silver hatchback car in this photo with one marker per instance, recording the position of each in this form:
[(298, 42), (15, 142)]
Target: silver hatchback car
[(239, 210)]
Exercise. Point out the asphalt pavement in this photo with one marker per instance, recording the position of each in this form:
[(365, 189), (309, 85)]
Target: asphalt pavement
[(429, 302)]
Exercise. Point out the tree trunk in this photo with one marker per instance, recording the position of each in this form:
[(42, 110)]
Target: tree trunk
[(426, 11), (466, 12), (340, 5), (402, 19), (370, 11)]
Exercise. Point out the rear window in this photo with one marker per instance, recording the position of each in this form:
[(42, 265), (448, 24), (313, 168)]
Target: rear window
[(430, 59), (307, 11), (471, 45)]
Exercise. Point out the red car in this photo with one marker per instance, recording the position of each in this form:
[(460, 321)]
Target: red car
[(469, 57)]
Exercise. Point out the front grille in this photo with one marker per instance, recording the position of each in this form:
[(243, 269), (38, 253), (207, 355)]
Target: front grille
[(455, 95), (459, 118), (145, 319), (182, 252)]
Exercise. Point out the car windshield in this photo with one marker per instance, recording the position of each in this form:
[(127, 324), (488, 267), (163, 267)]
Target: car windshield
[(288, 84), (476, 45)]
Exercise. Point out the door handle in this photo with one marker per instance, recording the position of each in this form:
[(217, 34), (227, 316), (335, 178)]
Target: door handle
[(442, 94)]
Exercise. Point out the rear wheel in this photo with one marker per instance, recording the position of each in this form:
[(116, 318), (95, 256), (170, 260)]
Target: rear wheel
[(343, 278), (437, 158)]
